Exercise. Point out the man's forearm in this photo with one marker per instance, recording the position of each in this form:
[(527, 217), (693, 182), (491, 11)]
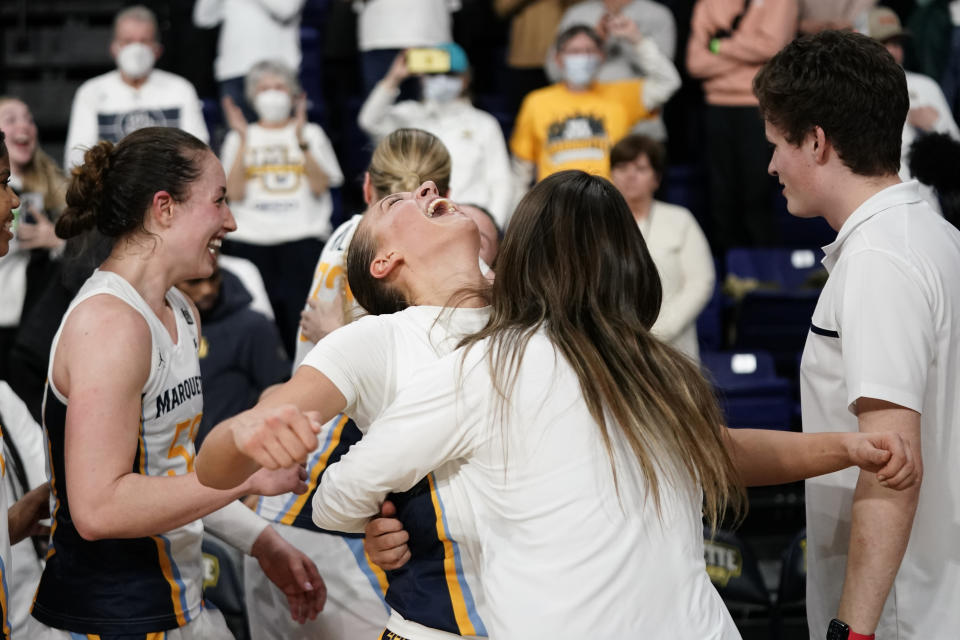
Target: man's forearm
[(881, 524)]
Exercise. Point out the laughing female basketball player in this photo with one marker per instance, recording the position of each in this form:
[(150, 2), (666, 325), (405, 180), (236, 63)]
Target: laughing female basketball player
[(124, 400)]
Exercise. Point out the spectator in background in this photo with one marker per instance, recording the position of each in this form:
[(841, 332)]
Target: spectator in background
[(279, 173), (250, 31), (401, 161), (929, 111), (25, 457), (481, 165), (653, 20), (819, 15), (729, 42), (133, 96), (240, 349), (41, 186), (533, 26), (490, 232), (573, 124), (386, 27), (677, 245)]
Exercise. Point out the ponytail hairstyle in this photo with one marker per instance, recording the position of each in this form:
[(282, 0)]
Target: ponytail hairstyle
[(574, 264), (114, 187), (407, 158), (402, 161)]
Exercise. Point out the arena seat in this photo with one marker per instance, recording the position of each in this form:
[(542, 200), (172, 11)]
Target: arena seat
[(223, 583), (749, 390), (710, 331), (733, 569), (790, 606), (787, 269)]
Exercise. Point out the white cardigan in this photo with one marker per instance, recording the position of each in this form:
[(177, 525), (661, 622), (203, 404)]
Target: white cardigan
[(683, 258)]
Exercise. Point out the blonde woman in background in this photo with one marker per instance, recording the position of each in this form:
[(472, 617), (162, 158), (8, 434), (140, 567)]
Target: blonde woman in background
[(402, 160)]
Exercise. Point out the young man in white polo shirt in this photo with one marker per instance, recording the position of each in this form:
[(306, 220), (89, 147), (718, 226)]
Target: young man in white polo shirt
[(883, 351)]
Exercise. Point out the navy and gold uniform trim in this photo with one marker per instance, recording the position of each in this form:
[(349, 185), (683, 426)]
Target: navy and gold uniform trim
[(430, 589), (103, 588)]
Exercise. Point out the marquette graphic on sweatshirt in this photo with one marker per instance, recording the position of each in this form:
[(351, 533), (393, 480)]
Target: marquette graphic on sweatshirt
[(115, 126)]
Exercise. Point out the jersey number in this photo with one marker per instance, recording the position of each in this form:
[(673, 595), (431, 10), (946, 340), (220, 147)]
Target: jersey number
[(187, 453)]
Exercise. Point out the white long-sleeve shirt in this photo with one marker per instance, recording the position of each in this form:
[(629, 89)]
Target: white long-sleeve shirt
[(565, 552), (398, 24), (682, 256), (251, 31), (481, 165), (278, 205), (368, 361), (23, 573), (107, 108)]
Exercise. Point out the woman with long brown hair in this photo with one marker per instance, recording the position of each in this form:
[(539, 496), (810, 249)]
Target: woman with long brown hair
[(405, 255), (587, 450)]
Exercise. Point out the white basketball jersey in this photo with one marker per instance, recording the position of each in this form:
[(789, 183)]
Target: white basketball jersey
[(162, 573)]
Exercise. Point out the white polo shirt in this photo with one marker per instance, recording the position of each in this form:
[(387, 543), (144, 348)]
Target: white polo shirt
[(887, 326)]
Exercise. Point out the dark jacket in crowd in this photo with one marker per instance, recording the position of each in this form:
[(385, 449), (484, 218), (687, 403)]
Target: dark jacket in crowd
[(240, 355)]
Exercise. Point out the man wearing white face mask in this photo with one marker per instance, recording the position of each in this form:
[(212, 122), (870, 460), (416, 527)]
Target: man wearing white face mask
[(481, 165), (133, 96), (574, 123)]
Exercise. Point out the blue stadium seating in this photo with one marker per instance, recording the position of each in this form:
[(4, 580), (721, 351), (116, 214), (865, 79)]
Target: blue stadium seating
[(775, 317), (710, 332), (787, 268), (750, 392)]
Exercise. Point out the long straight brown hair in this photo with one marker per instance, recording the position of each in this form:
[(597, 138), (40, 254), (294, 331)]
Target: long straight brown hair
[(574, 264)]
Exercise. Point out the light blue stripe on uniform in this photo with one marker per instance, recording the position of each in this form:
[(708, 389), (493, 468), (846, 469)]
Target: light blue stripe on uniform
[(176, 576), (478, 626), (356, 546), (294, 496)]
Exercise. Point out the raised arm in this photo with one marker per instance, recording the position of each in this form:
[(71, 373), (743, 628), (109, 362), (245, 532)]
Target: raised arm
[(317, 176), (661, 79), (273, 434), (207, 13), (377, 116), (429, 423), (234, 150)]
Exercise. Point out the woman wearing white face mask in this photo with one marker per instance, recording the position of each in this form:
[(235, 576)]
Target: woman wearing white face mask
[(481, 165), (279, 173)]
